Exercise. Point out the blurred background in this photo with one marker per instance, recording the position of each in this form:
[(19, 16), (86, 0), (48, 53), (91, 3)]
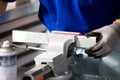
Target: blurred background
[(13, 5)]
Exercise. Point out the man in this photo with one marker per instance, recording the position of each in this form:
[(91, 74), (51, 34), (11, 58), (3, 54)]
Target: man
[(83, 16)]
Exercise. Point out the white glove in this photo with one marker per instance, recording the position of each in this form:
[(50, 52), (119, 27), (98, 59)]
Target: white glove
[(107, 36)]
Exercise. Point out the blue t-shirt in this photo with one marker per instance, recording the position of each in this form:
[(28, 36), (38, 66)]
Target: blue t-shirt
[(78, 15)]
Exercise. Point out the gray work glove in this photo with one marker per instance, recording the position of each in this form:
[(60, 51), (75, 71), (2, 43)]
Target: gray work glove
[(107, 36)]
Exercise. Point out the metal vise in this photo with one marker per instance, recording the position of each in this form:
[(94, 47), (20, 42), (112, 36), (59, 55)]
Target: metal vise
[(61, 47)]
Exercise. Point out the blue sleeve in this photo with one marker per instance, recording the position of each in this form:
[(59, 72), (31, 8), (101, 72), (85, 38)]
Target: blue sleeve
[(10, 0)]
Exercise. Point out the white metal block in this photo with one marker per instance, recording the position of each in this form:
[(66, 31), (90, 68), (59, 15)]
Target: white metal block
[(29, 37), (85, 42), (43, 38)]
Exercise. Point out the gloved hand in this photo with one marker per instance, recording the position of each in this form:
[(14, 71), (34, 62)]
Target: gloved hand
[(107, 36)]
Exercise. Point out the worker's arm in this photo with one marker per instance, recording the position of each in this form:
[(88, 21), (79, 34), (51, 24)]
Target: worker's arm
[(3, 6), (107, 37)]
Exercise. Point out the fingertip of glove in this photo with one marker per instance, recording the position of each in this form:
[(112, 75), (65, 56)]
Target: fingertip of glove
[(96, 57), (88, 34), (91, 52), (87, 51)]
